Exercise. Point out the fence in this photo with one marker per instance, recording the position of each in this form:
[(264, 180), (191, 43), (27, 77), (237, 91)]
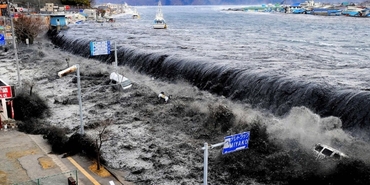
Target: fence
[(57, 179)]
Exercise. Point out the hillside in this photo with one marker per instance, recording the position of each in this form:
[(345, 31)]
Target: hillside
[(36, 3)]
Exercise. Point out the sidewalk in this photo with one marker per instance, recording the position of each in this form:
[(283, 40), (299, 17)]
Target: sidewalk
[(23, 157)]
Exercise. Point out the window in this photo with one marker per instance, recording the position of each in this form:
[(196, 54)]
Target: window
[(318, 148), (336, 156), (327, 152)]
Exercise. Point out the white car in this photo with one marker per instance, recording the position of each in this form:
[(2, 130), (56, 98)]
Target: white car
[(322, 151)]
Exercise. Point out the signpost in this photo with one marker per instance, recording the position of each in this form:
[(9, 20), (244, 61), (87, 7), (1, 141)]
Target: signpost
[(71, 70), (5, 93), (100, 48), (231, 143)]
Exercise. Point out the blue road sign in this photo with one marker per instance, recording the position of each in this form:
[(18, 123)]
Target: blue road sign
[(236, 142), (2, 40), (100, 48)]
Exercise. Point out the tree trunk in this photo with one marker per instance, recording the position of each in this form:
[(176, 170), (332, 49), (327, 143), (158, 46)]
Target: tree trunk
[(31, 90), (31, 40)]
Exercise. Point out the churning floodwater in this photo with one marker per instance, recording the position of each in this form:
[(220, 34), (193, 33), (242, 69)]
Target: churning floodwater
[(273, 61)]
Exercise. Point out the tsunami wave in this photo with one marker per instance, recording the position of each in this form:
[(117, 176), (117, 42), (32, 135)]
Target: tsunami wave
[(273, 92)]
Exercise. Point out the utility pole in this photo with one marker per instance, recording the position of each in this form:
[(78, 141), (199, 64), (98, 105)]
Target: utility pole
[(14, 43), (71, 70)]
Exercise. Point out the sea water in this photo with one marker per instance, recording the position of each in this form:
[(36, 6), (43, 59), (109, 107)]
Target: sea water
[(274, 61), (310, 71)]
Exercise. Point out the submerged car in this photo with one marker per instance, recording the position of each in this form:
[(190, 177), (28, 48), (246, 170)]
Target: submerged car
[(323, 151)]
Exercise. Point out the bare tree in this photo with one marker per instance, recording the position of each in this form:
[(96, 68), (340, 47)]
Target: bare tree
[(102, 136), (29, 27), (30, 82)]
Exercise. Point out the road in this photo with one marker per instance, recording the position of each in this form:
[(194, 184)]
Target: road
[(25, 157)]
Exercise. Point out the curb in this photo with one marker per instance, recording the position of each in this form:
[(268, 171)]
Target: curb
[(114, 174)]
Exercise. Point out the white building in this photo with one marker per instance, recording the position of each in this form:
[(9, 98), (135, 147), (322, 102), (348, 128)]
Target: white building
[(91, 14)]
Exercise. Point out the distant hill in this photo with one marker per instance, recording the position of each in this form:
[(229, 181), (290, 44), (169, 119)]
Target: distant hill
[(36, 3)]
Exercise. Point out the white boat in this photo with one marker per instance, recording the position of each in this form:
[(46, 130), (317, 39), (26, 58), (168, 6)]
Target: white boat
[(100, 19), (135, 14), (159, 22), (356, 11)]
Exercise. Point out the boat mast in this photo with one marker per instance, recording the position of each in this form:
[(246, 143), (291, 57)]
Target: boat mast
[(159, 13)]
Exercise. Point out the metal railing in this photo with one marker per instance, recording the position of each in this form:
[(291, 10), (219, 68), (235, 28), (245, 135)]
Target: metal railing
[(57, 179)]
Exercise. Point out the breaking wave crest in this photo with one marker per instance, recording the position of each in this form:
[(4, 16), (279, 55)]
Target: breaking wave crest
[(273, 92)]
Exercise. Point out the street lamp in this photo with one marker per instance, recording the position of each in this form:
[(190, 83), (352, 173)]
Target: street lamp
[(14, 44), (71, 70)]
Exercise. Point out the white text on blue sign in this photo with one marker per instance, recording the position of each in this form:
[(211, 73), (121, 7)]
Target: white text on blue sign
[(236, 142)]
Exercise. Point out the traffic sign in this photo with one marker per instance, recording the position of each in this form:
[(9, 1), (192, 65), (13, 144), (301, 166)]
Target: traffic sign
[(5, 92), (236, 142), (8, 35), (100, 48), (2, 39)]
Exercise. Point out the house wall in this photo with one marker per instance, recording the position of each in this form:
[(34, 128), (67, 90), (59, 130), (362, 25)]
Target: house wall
[(62, 21)]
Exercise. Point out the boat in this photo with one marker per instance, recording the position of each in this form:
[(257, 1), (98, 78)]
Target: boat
[(299, 11), (135, 14), (159, 22), (110, 19), (326, 11), (100, 19), (356, 11), (310, 7)]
